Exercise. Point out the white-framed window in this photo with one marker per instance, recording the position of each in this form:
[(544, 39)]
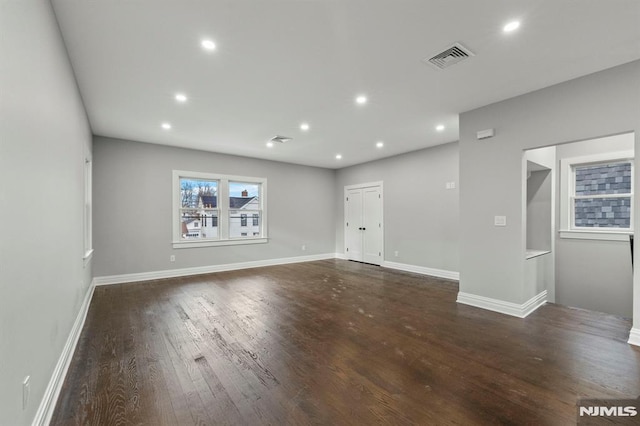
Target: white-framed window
[(87, 219), (597, 196), (212, 209)]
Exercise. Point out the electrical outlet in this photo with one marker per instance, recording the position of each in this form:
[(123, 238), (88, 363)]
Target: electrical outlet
[(172, 258), (304, 247), (396, 253), (26, 389)]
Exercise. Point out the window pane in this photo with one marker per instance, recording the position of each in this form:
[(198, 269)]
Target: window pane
[(244, 196), (239, 223), (198, 193), (244, 200), (603, 179), (603, 212), (198, 223)]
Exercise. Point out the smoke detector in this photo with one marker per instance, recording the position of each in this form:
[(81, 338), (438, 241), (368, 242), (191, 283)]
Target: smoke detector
[(280, 139), (449, 56)]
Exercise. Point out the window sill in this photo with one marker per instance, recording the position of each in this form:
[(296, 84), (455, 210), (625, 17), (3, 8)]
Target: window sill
[(217, 243), (596, 235), (87, 257)]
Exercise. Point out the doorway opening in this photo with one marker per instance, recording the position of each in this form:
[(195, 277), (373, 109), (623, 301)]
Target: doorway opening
[(588, 206)]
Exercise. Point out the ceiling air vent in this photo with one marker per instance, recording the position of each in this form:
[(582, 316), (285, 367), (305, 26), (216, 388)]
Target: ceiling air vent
[(280, 139), (449, 56)]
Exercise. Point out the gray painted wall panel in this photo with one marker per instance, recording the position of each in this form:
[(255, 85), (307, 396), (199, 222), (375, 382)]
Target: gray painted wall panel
[(593, 274), (44, 135), (539, 210), (133, 209), (599, 104), (420, 215)]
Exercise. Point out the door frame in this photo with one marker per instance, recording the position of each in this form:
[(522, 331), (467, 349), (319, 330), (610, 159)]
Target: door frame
[(347, 188)]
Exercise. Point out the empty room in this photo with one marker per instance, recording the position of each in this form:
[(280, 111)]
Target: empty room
[(319, 212)]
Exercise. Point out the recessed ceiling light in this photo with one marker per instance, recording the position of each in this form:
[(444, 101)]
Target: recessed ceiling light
[(208, 45), (361, 100), (511, 26), (181, 97), (270, 144), (166, 126), (440, 127), (379, 144), (304, 126), (338, 156)]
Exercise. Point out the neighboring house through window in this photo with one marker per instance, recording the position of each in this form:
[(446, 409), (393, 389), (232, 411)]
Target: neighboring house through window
[(211, 209), (597, 196)]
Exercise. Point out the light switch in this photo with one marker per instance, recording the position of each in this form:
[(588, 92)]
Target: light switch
[(500, 221)]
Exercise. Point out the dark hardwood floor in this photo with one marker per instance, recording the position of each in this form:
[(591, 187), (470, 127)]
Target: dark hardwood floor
[(334, 342)]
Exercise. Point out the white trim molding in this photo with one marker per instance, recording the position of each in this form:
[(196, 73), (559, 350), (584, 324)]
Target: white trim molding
[(217, 243), (51, 394), (198, 270), (440, 273), (507, 308), (634, 337), (596, 235), (567, 193)]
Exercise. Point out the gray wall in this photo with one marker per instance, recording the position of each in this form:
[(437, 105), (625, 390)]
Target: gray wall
[(593, 274), (539, 210), (133, 211), (420, 215), (44, 135), (491, 258)]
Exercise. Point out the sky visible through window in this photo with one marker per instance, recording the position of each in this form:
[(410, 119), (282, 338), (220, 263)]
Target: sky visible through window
[(192, 189), (236, 189)]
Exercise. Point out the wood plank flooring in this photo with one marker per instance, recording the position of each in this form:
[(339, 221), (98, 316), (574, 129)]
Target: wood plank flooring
[(331, 343)]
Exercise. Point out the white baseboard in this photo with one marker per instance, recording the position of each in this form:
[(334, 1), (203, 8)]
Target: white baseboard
[(341, 256), (50, 398), (634, 337), (503, 307), (172, 273), (440, 273)]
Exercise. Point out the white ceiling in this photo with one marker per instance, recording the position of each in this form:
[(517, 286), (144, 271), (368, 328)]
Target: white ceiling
[(279, 63)]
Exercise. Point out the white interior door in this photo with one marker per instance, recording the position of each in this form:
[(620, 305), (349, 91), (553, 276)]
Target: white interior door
[(364, 235), (353, 228), (372, 225)]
